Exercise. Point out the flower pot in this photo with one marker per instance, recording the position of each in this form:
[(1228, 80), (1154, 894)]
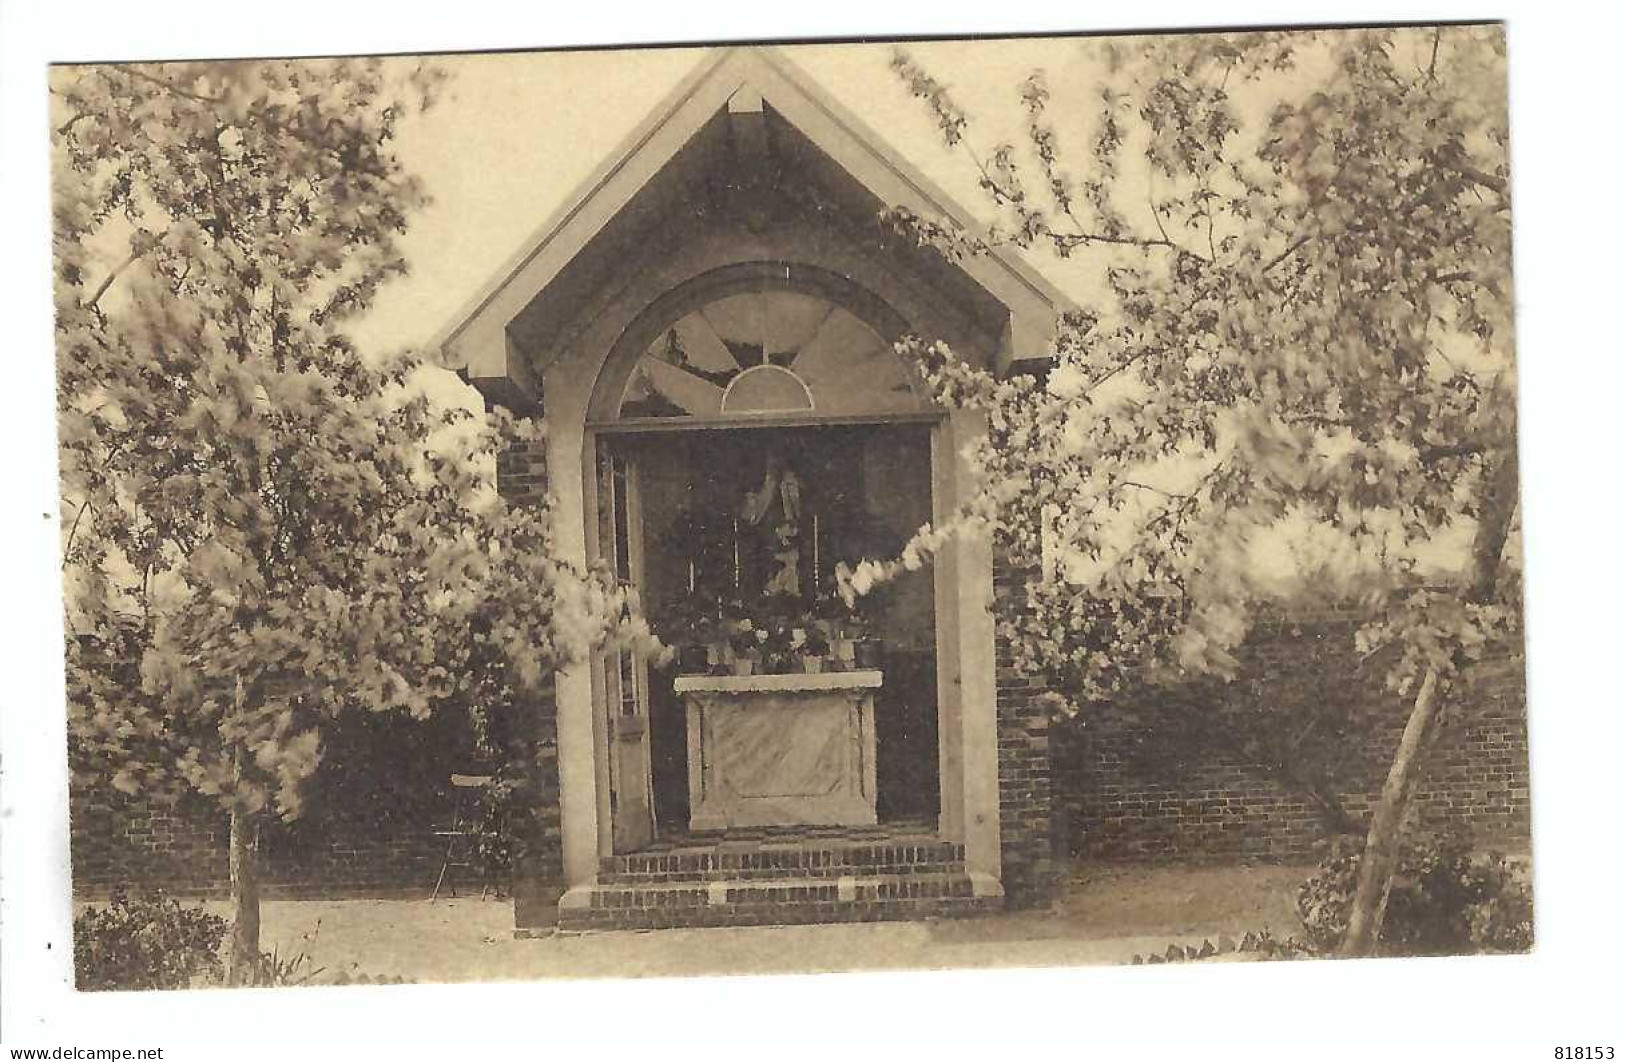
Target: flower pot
[(744, 667), (694, 660), (812, 665), (866, 654)]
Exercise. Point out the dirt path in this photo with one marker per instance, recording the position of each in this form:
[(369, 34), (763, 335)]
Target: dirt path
[(1112, 913)]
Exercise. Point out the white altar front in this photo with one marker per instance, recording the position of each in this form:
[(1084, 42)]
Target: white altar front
[(780, 750)]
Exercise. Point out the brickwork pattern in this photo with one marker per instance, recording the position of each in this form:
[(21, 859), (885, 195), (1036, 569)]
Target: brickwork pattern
[(180, 847), (1217, 808), (538, 857), (780, 882), (695, 912), (727, 860), (1033, 851)]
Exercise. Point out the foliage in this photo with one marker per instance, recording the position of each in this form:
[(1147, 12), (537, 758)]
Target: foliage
[(275, 970), (1253, 946), (495, 818), (1297, 371), (279, 529), (145, 942), (817, 642), (1445, 900), (1300, 348)]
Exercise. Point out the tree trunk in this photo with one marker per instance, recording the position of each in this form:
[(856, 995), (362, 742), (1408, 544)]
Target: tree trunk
[(1381, 856), (1376, 878), (245, 898)]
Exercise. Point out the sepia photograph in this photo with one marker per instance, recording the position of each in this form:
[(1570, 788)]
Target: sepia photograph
[(789, 507), (1113, 561)]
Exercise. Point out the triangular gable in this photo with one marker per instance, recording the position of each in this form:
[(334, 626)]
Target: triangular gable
[(478, 343)]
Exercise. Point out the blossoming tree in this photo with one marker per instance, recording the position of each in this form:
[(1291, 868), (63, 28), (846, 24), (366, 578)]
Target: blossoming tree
[(1298, 352), (263, 528)]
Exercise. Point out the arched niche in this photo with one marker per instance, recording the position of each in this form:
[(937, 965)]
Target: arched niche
[(761, 339)]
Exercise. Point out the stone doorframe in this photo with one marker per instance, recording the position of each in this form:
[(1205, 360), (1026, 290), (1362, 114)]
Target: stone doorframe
[(575, 385)]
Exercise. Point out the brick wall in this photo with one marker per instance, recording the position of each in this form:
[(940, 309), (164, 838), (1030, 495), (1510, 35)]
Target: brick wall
[(1031, 827), (538, 856), (1214, 806), (180, 847)]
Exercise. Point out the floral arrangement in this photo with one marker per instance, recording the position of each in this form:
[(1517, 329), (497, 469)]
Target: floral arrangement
[(793, 624), (773, 634)]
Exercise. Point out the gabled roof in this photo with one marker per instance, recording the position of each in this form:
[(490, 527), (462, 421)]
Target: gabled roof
[(477, 342)]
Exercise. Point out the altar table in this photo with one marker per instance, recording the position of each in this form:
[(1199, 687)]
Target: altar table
[(780, 750)]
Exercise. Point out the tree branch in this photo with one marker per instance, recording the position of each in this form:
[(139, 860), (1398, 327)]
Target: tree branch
[(107, 281), (1291, 249), (1095, 383), (1439, 453), (67, 546), (1488, 181), (165, 85), (67, 126)]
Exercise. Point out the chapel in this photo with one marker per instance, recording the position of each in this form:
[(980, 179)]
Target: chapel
[(706, 328)]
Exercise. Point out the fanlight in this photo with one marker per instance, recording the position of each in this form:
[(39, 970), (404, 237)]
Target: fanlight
[(770, 352)]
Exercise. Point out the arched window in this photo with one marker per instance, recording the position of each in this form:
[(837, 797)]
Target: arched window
[(765, 353)]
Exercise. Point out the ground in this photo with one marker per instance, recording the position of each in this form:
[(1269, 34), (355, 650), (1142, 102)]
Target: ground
[(1112, 912)]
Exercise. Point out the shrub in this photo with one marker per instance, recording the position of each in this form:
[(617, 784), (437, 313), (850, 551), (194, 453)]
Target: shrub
[(494, 819), (146, 942), (1446, 899)]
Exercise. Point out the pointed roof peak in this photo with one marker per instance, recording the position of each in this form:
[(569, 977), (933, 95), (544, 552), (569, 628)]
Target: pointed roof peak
[(739, 78)]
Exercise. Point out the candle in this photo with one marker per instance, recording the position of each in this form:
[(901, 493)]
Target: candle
[(691, 576), (815, 553), (736, 553)]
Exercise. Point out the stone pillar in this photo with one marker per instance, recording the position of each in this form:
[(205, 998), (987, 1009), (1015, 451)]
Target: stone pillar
[(583, 773), (979, 733)]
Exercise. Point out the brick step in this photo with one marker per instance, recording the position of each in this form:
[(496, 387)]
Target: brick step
[(764, 863), (779, 901)]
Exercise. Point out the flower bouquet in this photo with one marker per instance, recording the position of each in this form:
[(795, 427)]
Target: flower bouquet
[(815, 649), (778, 649), (745, 646)]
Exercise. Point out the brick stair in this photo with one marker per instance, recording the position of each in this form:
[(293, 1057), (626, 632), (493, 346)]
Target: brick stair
[(784, 882), (726, 863)]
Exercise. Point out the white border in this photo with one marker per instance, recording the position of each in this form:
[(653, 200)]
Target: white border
[(1566, 163)]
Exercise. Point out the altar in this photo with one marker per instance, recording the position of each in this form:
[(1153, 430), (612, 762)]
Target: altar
[(780, 750)]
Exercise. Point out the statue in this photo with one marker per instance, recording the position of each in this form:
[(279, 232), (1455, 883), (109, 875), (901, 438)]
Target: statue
[(778, 503)]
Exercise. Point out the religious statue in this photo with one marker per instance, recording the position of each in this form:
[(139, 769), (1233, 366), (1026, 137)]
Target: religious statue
[(777, 505)]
